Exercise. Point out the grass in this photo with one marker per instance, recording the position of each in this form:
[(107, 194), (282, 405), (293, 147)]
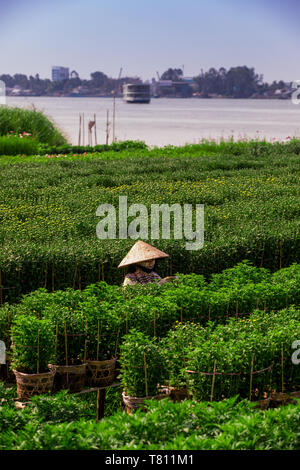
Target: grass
[(31, 121), (15, 145)]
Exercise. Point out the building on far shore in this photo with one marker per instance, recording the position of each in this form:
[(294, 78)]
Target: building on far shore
[(60, 73)]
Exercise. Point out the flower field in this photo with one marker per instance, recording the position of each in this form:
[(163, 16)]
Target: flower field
[(221, 333), (48, 211)]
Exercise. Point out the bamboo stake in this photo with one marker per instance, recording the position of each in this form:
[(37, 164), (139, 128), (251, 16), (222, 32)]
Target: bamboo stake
[(117, 341), (181, 317), (98, 340), (85, 342), (98, 406), (282, 369), (79, 279), (46, 275), (262, 256), (251, 377), (38, 352), (213, 382), (146, 380), (66, 344), (1, 291), (52, 277), (74, 277), (56, 339)]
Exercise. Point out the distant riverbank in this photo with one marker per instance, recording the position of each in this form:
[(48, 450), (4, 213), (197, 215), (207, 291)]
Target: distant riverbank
[(173, 121)]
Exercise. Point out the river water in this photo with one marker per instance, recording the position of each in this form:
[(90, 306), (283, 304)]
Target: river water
[(172, 121)]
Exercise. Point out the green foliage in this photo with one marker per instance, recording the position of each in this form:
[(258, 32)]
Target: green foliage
[(33, 344), (62, 407), (14, 145), (182, 426), (47, 232), (151, 309), (7, 394), (138, 352), (79, 150), (103, 329), (6, 317), (175, 347), (31, 121), (262, 337), (152, 315), (70, 329)]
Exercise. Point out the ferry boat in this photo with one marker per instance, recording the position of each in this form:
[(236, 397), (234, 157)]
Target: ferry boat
[(136, 93)]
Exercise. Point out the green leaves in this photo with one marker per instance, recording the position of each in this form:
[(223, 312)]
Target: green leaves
[(188, 425), (142, 365), (48, 233), (33, 344)]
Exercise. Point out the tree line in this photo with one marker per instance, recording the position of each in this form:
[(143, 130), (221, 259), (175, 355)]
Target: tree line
[(237, 82)]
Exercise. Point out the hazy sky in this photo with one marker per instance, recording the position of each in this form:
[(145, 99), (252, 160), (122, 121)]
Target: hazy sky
[(148, 36)]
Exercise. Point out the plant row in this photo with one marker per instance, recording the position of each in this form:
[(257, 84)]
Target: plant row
[(247, 357), (64, 423)]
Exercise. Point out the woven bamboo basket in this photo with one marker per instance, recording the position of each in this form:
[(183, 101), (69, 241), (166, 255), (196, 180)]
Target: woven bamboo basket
[(70, 378), (100, 373), (33, 384), (135, 403)]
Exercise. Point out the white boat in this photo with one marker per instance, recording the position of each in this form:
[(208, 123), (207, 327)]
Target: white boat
[(136, 93)]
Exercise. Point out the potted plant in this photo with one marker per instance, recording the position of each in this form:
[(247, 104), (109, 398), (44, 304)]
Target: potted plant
[(175, 346), (70, 342), (142, 370), (7, 313), (32, 350), (103, 329)]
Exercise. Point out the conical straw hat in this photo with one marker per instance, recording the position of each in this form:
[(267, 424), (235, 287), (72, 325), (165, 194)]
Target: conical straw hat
[(141, 251)]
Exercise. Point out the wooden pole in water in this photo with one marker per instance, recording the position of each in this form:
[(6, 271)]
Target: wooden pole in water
[(79, 132), (114, 119), (83, 133), (95, 129), (107, 127)]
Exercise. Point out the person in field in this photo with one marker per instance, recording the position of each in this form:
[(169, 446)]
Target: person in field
[(141, 260)]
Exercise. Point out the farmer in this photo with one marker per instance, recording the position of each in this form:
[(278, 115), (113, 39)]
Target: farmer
[(141, 261)]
